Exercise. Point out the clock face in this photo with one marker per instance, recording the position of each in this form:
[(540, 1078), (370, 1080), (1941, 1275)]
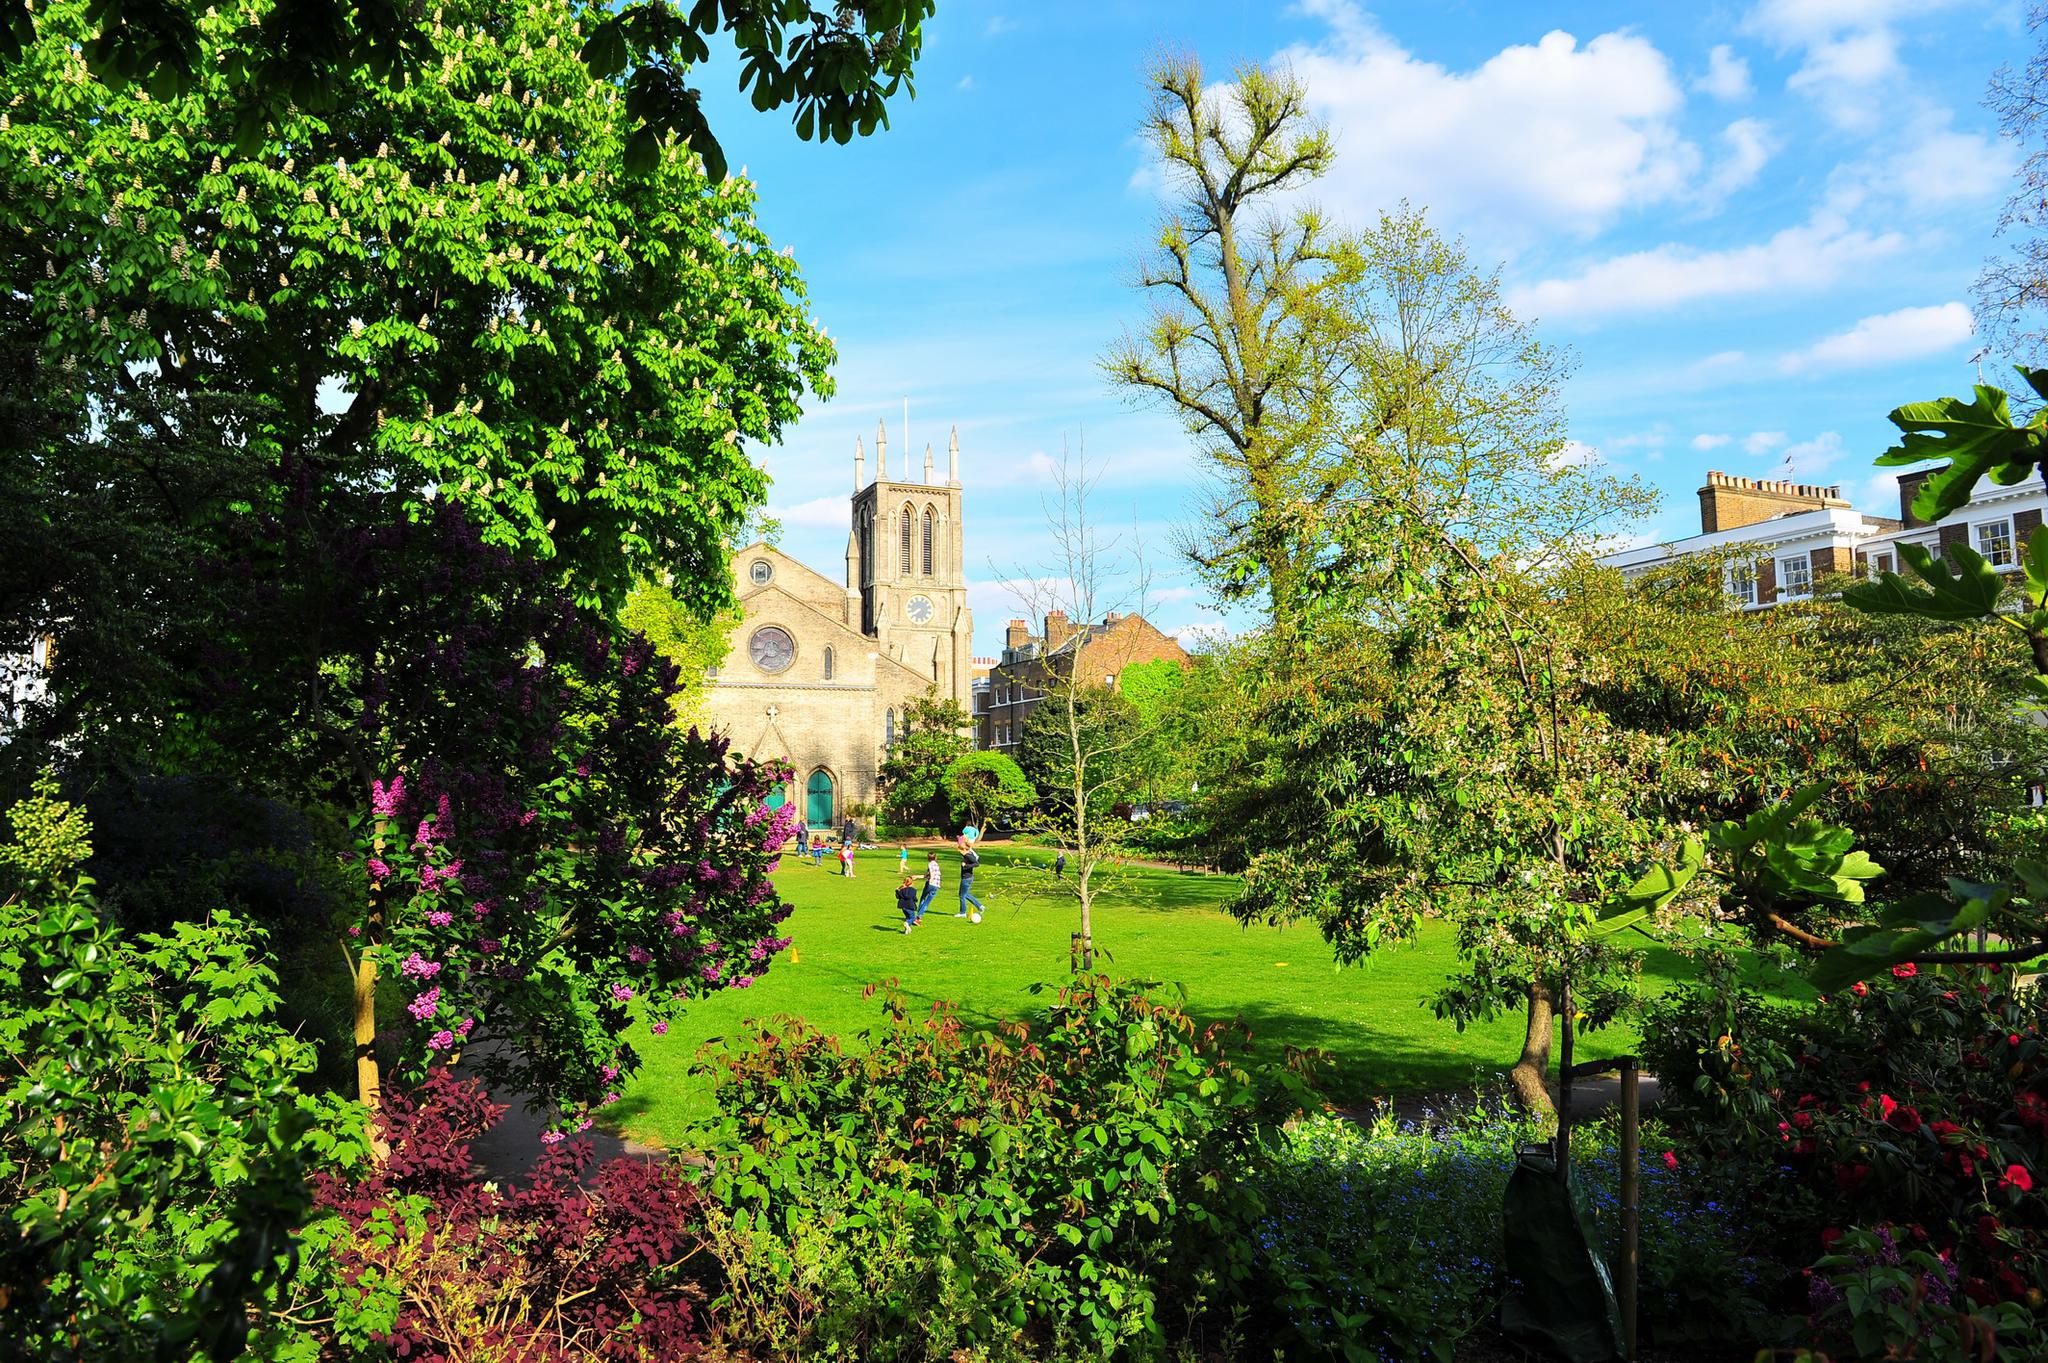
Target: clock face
[(920, 610), (771, 648)]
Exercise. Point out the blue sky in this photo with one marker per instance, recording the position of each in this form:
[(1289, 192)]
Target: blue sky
[(1755, 224)]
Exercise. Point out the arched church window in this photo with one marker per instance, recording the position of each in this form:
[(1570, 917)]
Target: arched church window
[(889, 729), (908, 527), (927, 541), (828, 662)]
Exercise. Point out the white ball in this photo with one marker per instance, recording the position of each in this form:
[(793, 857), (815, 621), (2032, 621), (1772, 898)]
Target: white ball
[(975, 919)]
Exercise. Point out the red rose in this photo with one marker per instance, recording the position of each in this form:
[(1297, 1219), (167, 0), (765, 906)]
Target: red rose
[(1886, 1106), (1859, 989), (1828, 1238), (1905, 972), (1803, 1120), (1906, 1119), (1948, 1133), (2016, 1176), (1671, 1161)]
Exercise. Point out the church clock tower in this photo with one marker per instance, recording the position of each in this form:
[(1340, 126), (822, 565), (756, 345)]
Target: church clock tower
[(907, 561)]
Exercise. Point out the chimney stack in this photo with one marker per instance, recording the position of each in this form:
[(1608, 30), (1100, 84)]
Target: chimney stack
[(1017, 635), (1730, 501), (1058, 629)]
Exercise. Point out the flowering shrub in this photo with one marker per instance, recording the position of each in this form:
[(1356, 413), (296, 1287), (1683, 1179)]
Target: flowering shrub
[(1383, 1241), (420, 1259), (1912, 1114), (1033, 1189), (546, 857)]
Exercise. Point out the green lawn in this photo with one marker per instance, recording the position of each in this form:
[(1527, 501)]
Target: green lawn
[(1159, 925)]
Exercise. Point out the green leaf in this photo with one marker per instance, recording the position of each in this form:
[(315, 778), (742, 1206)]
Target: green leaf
[(1968, 593), (1657, 888), (1976, 438)]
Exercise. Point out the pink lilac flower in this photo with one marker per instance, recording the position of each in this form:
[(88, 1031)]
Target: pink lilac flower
[(612, 1097), (743, 982), (379, 869), (488, 945), (423, 1006), (583, 1125), (419, 967), (441, 1040), (622, 992), (658, 1027), (611, 1072), (384, 800), (464, 1026), (710, 972), (550, 1138), (355, 930), (440, 918), (638, 955)]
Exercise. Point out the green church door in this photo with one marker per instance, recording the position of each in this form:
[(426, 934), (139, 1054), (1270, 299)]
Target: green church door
[(818, 799), (777, 797)]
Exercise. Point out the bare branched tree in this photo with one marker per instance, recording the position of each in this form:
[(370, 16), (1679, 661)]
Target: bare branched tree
[(1095, 580), (2013, 288)]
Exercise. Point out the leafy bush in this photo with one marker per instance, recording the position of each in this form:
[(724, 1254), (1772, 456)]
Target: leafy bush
[(1910, 1113), (419, 1258), (152, 1141), (1383, 1241), (1036, 1191)]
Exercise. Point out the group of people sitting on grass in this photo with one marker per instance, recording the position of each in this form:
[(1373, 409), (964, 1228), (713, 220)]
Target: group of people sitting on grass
[(912, 903)]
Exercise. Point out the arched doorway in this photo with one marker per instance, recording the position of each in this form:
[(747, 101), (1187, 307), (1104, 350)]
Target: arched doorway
[(777, 797), (818, 799)]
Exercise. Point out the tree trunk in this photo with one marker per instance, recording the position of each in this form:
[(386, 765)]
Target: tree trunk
[(367, 1078), (1530, 1072)]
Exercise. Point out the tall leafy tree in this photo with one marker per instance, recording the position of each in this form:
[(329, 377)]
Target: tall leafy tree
[(838, 66), (455, 382), (1239, 344), (931, 735)]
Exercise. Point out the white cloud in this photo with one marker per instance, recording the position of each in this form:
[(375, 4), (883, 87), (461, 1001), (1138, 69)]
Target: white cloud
[(1810, 457), (1763, 442), (1850, 52), (1886, 338), (1931, 163), (1747, 144), (965, 83), (997, 26), (819, 513), (1796, 260), (1558, 132), (1704, 442), (1727, 75)]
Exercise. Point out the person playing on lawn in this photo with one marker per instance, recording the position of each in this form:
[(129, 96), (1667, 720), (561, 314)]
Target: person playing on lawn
[(803, 841), (1059, 864), (969, 860), (906, 902), (903, 858), (931, 885), (846, 859)]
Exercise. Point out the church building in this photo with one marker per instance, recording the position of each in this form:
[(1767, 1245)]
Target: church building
[(819, 672)]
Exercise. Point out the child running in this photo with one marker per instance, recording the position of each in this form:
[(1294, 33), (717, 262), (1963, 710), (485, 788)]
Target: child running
[(846, 859), (931, 885), (906, 902), (969, 860)]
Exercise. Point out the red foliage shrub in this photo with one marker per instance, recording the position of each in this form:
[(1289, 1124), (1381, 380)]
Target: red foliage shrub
[(438, 1265)]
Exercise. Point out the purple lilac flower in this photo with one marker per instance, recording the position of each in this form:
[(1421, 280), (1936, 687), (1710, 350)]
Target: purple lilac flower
[(622, 992), (379, 869), (441, 1040), (463, 1026), (550, 1138), (423, 1006), (488, 945), (583, 1125), (419, 967), (743, 982), (611, 1072), (611, 1097), (384, 799), (658, 1027), (440, 918), (638, 955)]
